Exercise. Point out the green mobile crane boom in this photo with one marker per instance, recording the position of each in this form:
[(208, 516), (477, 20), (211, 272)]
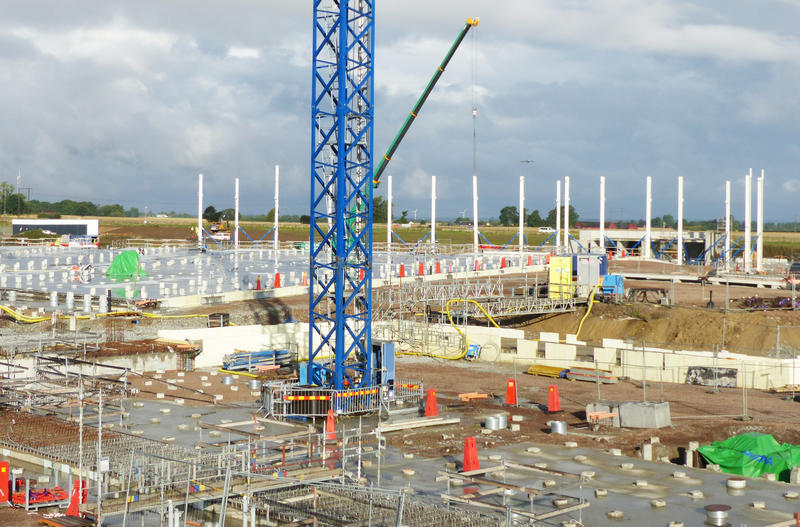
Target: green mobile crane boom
[(471, 22)]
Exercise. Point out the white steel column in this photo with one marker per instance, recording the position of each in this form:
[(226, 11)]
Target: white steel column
[(521, 216), (200, 210), (236, 215), (475, 213), (648, 213), (748, 220), (680, 220), (433, 210), (277, 207), (557, 243), (602, 241), (760, 224), (728, 225), (389, 221), (566, 212)]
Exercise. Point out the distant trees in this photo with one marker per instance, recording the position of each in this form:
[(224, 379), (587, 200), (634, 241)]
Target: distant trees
[(551, 217), (534, 219), (509, 216)]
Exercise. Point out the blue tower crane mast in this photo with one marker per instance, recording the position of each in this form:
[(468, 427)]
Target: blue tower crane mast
[(340, 281)]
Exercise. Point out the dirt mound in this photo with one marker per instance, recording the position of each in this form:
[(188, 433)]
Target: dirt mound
[(754, 332)]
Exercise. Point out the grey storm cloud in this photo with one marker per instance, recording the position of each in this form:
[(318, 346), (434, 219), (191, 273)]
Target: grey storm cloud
[(121, 102)]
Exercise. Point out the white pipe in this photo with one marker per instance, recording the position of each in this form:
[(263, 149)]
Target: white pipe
[(521, 216), (389, 220), (602, 241), (557, 243), (648, 213), (728, 225), (475, 213), (566, 212), (433, 210), (200, 210), (680, 220), (236, 215), (277, 207), (748, 219), (760, 224)]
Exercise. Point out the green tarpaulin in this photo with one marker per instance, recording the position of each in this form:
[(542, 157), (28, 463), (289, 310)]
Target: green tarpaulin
[(752, 455), (125, 267)]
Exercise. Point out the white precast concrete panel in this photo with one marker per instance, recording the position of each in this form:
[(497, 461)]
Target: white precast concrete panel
[(601, 242), (760, 224), (728, 225), (433, 210), (277, 207), (648, 213), (566, 212), (521, 215), (748, 220), (558, 214), (236, 215), (680, 220), (199, 210)]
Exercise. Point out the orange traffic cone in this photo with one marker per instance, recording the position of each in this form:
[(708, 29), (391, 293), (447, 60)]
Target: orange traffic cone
[(470, 455), (304, 283), (503, 262), (511, 393), (330, 427), (277, 282), (438, 267), (530, 260), (258, 283), (431, 408), (553, 404), (451, 266), (421, 270), (402, 270)]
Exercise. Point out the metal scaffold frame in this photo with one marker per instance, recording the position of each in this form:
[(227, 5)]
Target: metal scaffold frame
[(341, 193)]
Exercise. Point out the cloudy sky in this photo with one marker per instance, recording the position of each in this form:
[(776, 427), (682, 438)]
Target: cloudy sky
[(125, 102)]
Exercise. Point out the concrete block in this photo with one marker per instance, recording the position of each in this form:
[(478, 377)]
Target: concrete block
[(647, 452), (794, 476), (545, 336), (527, 349), (559, 352), (159, 396), (573, 339), (644, 415)]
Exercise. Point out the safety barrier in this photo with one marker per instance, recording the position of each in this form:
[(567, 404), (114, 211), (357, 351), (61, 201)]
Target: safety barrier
[(285, 400)]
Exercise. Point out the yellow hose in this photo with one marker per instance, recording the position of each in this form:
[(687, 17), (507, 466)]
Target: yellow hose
[(450, 318), (16, 315), (238, 373), (588, 310)]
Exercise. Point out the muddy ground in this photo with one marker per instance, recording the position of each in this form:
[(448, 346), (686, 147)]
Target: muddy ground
[(697, 414)]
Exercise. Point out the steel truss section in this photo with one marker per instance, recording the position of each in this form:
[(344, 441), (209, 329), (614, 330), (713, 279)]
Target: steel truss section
[(341, 194)]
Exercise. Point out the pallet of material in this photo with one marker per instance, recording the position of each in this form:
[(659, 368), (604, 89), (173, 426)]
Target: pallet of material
[(788, 388), (546, 371), (417, 423), (590, 374), (467, 397)]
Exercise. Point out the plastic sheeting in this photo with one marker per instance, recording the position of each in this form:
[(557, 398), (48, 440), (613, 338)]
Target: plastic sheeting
[(752, 455)]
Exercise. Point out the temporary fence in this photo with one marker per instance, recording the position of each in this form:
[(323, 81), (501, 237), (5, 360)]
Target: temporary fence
[(284, 400)]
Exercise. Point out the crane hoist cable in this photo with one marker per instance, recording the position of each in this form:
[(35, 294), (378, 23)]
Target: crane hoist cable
[(450, 318), (471, 22)]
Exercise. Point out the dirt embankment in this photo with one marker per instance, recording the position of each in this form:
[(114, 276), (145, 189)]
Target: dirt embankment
[(680, 327)]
